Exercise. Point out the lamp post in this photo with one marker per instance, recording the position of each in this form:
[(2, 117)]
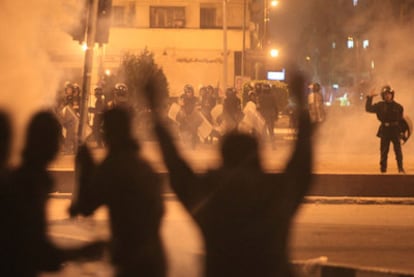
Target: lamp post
[(87, 69), (243, 59), (267, 7), (225, 44)]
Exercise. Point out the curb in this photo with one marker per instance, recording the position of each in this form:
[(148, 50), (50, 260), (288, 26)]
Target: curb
[(319, 267), (330, 200)]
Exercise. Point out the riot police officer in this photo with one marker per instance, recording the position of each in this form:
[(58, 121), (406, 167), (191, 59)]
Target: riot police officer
[(121, 95), (390, 114), (232, 113), (98, 111), (188, 116), (268, 109), (315, 103)]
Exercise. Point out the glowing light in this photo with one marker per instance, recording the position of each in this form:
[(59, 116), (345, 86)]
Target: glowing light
[(107, 72), (350, 42), (274, 53), (274, 3), (365, 44), (308, 58), (372, 64), (84, 46)]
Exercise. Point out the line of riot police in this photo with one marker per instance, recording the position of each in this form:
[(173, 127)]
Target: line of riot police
[(208, 117), (202, 119), (67, 110)]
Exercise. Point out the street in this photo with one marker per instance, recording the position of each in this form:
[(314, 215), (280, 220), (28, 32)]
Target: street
[(379, 236)]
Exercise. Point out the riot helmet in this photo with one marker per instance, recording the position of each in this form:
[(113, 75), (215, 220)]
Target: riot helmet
[(230, 91), (387, 89), (76, 89), (188, 89), (121, 92), (266, 87), (315, 87), (98, 90), (121, 89)]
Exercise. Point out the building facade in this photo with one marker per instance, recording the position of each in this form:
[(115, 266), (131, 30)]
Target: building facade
[(185, 36)]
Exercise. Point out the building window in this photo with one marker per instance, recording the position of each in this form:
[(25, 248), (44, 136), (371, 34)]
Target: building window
[(131, 13), (208, 18), (167, 17), (118, 16)]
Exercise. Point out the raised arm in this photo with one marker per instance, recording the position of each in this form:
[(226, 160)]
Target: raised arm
[(182, 178), (85, 198), (369, 107), (298, 172)]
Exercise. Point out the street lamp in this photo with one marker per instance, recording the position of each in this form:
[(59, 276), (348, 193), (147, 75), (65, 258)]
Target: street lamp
[(268, 5), (274, 53), (274, 3)]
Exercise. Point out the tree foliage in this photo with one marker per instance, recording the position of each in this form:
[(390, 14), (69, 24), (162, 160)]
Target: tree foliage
[(138, 71)]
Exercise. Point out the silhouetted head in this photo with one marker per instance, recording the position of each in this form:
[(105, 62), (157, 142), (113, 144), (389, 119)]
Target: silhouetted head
[(239, 149), (5, 138), (117, 128), (43, 137)]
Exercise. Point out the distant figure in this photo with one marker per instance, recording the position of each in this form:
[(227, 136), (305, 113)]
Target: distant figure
[(97, 111), (69, 117), (268, 108), (390, 113), (315, 103), (244, 213), (232, 113), (189, 118), (30, 250), (131, 190), (76, 98)]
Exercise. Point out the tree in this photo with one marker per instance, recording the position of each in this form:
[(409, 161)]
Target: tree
[(138, 71)]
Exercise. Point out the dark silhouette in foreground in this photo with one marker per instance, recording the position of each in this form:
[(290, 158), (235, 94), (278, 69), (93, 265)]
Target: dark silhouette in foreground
[(244, 213), (129, 187), (28, 247), (5, 201)]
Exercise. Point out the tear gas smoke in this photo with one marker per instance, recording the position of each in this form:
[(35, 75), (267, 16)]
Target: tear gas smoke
[(350, 130), (28, 77)]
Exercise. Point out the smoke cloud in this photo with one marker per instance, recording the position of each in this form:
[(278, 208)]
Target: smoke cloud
[(309, 27), (28, 77)]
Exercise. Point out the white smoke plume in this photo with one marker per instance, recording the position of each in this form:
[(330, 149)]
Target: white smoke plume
[(28, 77)]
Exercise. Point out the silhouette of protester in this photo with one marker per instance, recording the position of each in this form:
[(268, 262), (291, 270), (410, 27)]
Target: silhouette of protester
[(244, 213), (131, 190), (31, 251), (5, 139)]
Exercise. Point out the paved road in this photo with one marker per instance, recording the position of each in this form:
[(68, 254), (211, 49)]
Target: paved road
[(330, 157), (355, 235)]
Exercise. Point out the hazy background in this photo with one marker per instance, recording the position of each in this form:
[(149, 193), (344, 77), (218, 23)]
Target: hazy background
[(28, 78)]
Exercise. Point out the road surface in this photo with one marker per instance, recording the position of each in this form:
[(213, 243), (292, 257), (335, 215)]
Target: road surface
[(355, 235)]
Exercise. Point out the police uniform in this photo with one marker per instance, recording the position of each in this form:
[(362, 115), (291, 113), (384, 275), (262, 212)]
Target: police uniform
[(390, 114)]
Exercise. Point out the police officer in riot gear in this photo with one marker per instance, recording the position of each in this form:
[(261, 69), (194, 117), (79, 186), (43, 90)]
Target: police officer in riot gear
[(390, 114), (315, 103), (120, 95), (98, 111), (232, 113), (267, 106), (188, 117)]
